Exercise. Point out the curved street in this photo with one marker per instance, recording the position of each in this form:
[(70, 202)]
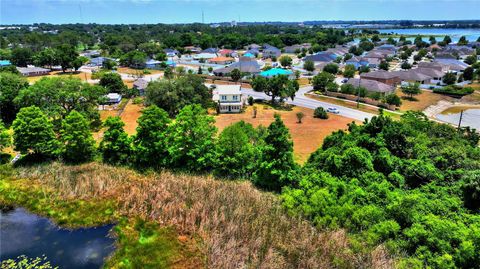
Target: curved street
[(303, 101)]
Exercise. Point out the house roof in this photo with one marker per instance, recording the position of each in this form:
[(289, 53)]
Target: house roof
[(210, 50), (321, 57), (434, 73), (453, 64), (243, 66), (34, 69), (228, 89), (221, 59), (379, 75), (140, 83), (412, 75), (371, 85), (225, 51)]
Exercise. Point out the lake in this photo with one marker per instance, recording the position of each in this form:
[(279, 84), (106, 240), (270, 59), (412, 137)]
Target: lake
[(471, 117), (455, 34), (23, 233)]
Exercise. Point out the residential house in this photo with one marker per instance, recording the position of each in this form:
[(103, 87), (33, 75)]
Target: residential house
[(171, 52), (357, 62), (91, 54), (388, 47), (454, 65), (140, 85), (321, 57), (153, 64), (193, 49), (98, 61), (293, 49), (413, 76), (373, 62), (227, 53), (436, 75), (254, 47), (221, 60), (382, 76), (229, 98), (245, 65), (338, 51), (271, 52), (460, 51), (32, 71), (210, 50), (204, 56), (113, 98), (372, 85), (434, 65)]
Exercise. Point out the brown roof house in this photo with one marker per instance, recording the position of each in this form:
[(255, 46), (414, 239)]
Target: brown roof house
[(386, 77), (372, 85)]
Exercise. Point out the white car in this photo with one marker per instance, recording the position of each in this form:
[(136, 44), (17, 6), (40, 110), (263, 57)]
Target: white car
[(333, 110)]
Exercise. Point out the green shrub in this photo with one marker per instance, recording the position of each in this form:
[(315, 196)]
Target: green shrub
[(320, 113), (454, 90)]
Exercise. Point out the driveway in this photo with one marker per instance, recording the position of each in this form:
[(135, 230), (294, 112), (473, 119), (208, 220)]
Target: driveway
[(302, 101)]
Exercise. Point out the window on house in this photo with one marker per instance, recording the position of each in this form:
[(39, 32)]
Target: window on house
[(235, 97), (224, 97)]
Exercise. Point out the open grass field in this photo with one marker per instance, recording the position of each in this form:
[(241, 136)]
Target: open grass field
[(307, 136), (423, 100), (81, 75), (131, 71), (206, 226)]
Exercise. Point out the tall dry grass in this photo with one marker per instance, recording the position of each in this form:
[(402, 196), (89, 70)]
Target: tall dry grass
[(240, 226)]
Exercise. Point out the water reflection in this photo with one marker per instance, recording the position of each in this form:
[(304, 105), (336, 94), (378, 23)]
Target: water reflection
[(22, 233)]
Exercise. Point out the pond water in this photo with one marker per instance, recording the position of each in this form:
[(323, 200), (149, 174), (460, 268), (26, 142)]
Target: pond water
[(439, 33), (471, 117), (23, 233), (455, 34)]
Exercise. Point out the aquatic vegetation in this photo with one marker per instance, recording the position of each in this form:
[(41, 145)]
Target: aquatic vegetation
[(24, 262)]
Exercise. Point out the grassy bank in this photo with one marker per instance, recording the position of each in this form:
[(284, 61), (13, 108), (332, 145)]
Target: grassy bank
[(183, 221)]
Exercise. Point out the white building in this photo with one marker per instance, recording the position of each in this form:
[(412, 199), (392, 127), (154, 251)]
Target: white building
[(229, 98)]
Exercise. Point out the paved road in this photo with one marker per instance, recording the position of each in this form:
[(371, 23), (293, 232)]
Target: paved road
[(302, 101)]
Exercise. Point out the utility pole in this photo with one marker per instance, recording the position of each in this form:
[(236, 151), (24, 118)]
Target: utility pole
[(203, 17), (460, 120), (358, 89)]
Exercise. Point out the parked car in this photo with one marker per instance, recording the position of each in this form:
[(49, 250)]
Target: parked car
[(333, 110)]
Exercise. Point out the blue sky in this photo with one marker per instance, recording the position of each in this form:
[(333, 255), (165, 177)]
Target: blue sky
[(186, 11)]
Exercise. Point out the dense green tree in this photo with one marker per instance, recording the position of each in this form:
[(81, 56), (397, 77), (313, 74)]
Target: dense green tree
[(236, 151), (236, 75), (191, 140), (405, 65), (134, 58), (173, 95), (168, 73), (349, 71), (432, 40), (33, 133), (470, 59), (285, 61), (22, 56), (150, 142), (277, 86), (468, 73), (10, 86), (321, 81), (331, 68), (116, 146), (471, 190), (77, 139), (393, 99), (449, 78), (384, 65), (57, 96), (462, 41), (309, 66), (411, 89), (5, 137), (46, 57), (447, 39), (65, 56), (276, 163), (113, 82)]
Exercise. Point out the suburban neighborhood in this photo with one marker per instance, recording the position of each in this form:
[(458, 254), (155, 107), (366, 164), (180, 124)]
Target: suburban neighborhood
[(152, 134)]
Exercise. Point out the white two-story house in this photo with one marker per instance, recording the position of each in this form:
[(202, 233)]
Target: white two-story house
[(229, 98)]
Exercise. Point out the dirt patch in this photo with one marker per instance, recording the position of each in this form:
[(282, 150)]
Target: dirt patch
[(423, 100), (80, 75), (137, 72), (130, 115), (307, 136)]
